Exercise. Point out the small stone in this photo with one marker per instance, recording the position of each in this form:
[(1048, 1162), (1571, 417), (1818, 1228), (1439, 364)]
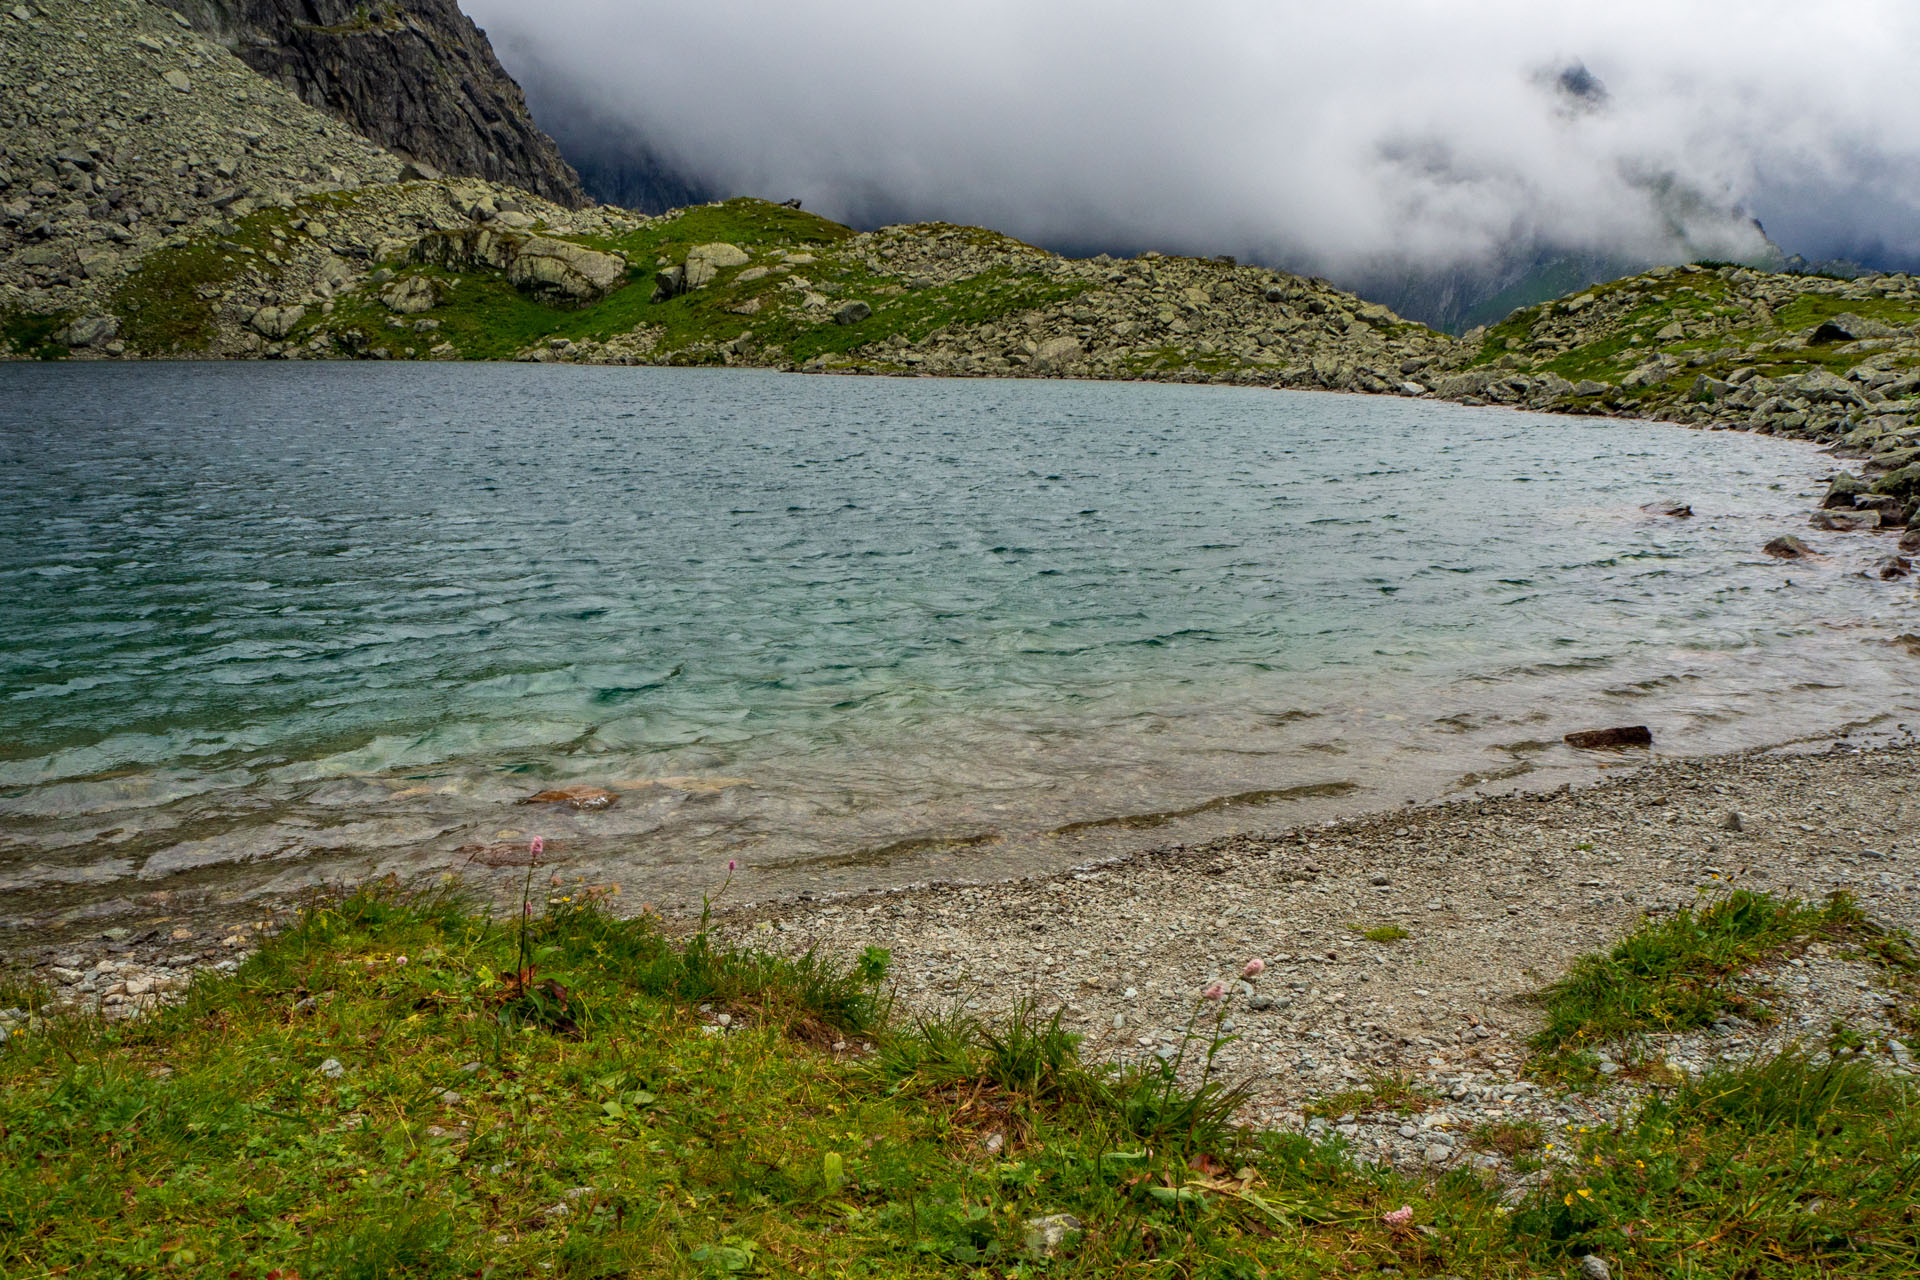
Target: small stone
[(1048, 1236), (1594, 1267), (852, 313), (177, 80), (332, 1069), (1733, 822), (1439, 1153)]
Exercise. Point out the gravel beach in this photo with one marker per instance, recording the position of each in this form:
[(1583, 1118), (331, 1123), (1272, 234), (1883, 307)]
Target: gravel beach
[(1495, 897)]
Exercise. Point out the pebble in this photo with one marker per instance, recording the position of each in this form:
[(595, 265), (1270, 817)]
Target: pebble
[(333, 1069)]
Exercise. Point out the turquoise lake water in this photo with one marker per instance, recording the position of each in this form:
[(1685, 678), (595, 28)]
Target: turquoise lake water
[(266, 625)]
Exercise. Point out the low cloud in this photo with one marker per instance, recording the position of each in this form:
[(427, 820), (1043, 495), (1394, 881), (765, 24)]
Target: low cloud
[(1343, 139)]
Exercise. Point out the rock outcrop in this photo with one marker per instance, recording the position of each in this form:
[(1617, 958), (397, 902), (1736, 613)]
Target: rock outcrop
[(416, 76), (542, 265)]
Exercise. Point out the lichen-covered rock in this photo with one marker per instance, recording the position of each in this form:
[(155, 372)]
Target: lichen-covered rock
[(541, 265), (705, 262), (546, 265), (276, 322), (411, 296)]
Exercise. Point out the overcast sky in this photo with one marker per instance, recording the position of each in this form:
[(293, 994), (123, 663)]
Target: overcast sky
[(1326, 136)]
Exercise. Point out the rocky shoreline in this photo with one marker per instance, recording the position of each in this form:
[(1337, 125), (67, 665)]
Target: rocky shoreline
[(1494, 897)]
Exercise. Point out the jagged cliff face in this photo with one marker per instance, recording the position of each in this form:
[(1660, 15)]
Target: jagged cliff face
[(416, 76)]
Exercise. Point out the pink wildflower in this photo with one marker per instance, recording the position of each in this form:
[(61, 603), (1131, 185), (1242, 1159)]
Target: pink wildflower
[(1215, 991), (1255, 967), (538, 847), (732, 865), (1398, 1218)]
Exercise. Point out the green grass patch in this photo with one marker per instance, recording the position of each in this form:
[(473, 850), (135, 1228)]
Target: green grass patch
[(30, 333), (480, 314), (482, 317), (1514, 1140), (1694, 298), (1785, 1167), (166, 304), (1380, 932), (399, 1087), (1395, 1095), (1673, 974)]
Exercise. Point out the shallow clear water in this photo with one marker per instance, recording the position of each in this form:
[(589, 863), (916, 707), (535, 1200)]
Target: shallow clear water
[(263, 625)]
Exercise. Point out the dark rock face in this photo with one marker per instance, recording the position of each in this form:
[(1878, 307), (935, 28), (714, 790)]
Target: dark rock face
[(415, 76)]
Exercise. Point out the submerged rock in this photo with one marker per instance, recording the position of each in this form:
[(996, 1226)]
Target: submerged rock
[(1845, 521), (1637, 735), (587, 799), (1842, 492), (1788, 547)]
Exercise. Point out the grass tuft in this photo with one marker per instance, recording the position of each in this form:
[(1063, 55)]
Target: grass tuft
[(1381, 1094), (31, 333), (1381, 932), (1673, 975), (1790, 1166)]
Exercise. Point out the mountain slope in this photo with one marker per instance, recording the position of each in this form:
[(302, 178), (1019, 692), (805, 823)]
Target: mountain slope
[(415, 76)]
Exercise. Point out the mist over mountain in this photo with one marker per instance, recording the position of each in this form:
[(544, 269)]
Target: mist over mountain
[(1441, 158), (612, 153)]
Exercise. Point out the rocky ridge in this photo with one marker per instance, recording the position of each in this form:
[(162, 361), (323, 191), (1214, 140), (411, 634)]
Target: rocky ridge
[(415, 76), (181, 195)]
